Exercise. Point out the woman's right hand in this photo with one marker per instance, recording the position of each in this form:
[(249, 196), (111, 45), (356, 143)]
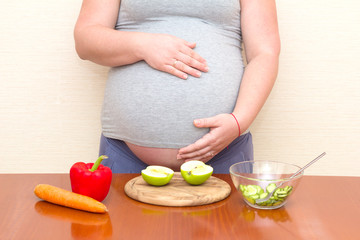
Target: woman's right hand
[(171, 54), (97, 40)]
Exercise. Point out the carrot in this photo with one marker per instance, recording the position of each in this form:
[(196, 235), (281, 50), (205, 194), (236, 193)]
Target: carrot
[(66, 198)]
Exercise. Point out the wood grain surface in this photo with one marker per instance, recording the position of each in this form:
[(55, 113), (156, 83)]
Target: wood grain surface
[(178, 192), (312, 212)]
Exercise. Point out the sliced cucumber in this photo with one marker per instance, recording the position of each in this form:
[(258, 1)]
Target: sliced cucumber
[(264, 195), (252, 192), (252, 189), (280, 191), (259, 189), (255, 196), (250, 200), (270, 187)]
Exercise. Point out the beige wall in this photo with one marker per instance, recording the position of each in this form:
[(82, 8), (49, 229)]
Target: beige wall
[(50, 100)]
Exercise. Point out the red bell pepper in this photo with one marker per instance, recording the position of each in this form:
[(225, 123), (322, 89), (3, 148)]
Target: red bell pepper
[(91, 179)]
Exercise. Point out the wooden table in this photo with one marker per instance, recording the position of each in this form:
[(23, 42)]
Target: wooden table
[(321, 208)]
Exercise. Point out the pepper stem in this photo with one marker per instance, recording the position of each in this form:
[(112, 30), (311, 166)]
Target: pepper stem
[(97, 163)]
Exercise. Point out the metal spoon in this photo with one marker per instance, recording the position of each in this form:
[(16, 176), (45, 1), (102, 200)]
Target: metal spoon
[(300, 170)]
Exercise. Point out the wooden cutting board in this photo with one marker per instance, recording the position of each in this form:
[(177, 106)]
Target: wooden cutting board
[(178, 193)]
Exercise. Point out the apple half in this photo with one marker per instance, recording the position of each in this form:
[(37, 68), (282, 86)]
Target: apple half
[(157, 175), (195, 172)]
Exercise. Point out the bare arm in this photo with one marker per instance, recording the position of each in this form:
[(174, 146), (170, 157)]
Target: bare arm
[(262, 48), (97, 40)]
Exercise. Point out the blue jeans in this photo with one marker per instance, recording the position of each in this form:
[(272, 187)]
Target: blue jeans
[(123, 160)]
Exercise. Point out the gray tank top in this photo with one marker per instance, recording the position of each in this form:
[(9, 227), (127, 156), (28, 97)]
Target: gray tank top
[(151, 108)]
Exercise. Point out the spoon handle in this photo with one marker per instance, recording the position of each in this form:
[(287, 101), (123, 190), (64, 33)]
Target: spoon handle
[(302, 169), (307, 165)]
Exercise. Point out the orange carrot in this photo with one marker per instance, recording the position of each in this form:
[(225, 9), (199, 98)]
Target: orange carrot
[(68, 199)]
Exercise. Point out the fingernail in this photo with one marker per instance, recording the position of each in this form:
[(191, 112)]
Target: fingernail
[(197, 122), (206, 69), (185, 76), (198, 74)]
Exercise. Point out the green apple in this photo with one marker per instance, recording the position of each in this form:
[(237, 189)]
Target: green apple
[(195, 172), (157, 175)]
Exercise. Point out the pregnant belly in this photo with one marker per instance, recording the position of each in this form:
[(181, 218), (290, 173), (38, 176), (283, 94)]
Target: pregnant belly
[(155, 109), (157, 156)]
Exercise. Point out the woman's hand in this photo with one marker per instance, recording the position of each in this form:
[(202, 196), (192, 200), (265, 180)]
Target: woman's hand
[(173, 55), (97, 40), (223, 130)]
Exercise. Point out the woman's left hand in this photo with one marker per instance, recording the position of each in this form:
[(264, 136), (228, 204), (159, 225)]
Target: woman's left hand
[(223, 130)]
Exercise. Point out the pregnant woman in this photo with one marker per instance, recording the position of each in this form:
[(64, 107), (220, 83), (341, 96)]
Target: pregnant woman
[(178, 88)]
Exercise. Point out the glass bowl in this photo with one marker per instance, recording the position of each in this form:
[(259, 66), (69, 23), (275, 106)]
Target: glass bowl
[(256, 179)]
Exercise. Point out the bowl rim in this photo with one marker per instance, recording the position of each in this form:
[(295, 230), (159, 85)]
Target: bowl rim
[(264, 180)]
